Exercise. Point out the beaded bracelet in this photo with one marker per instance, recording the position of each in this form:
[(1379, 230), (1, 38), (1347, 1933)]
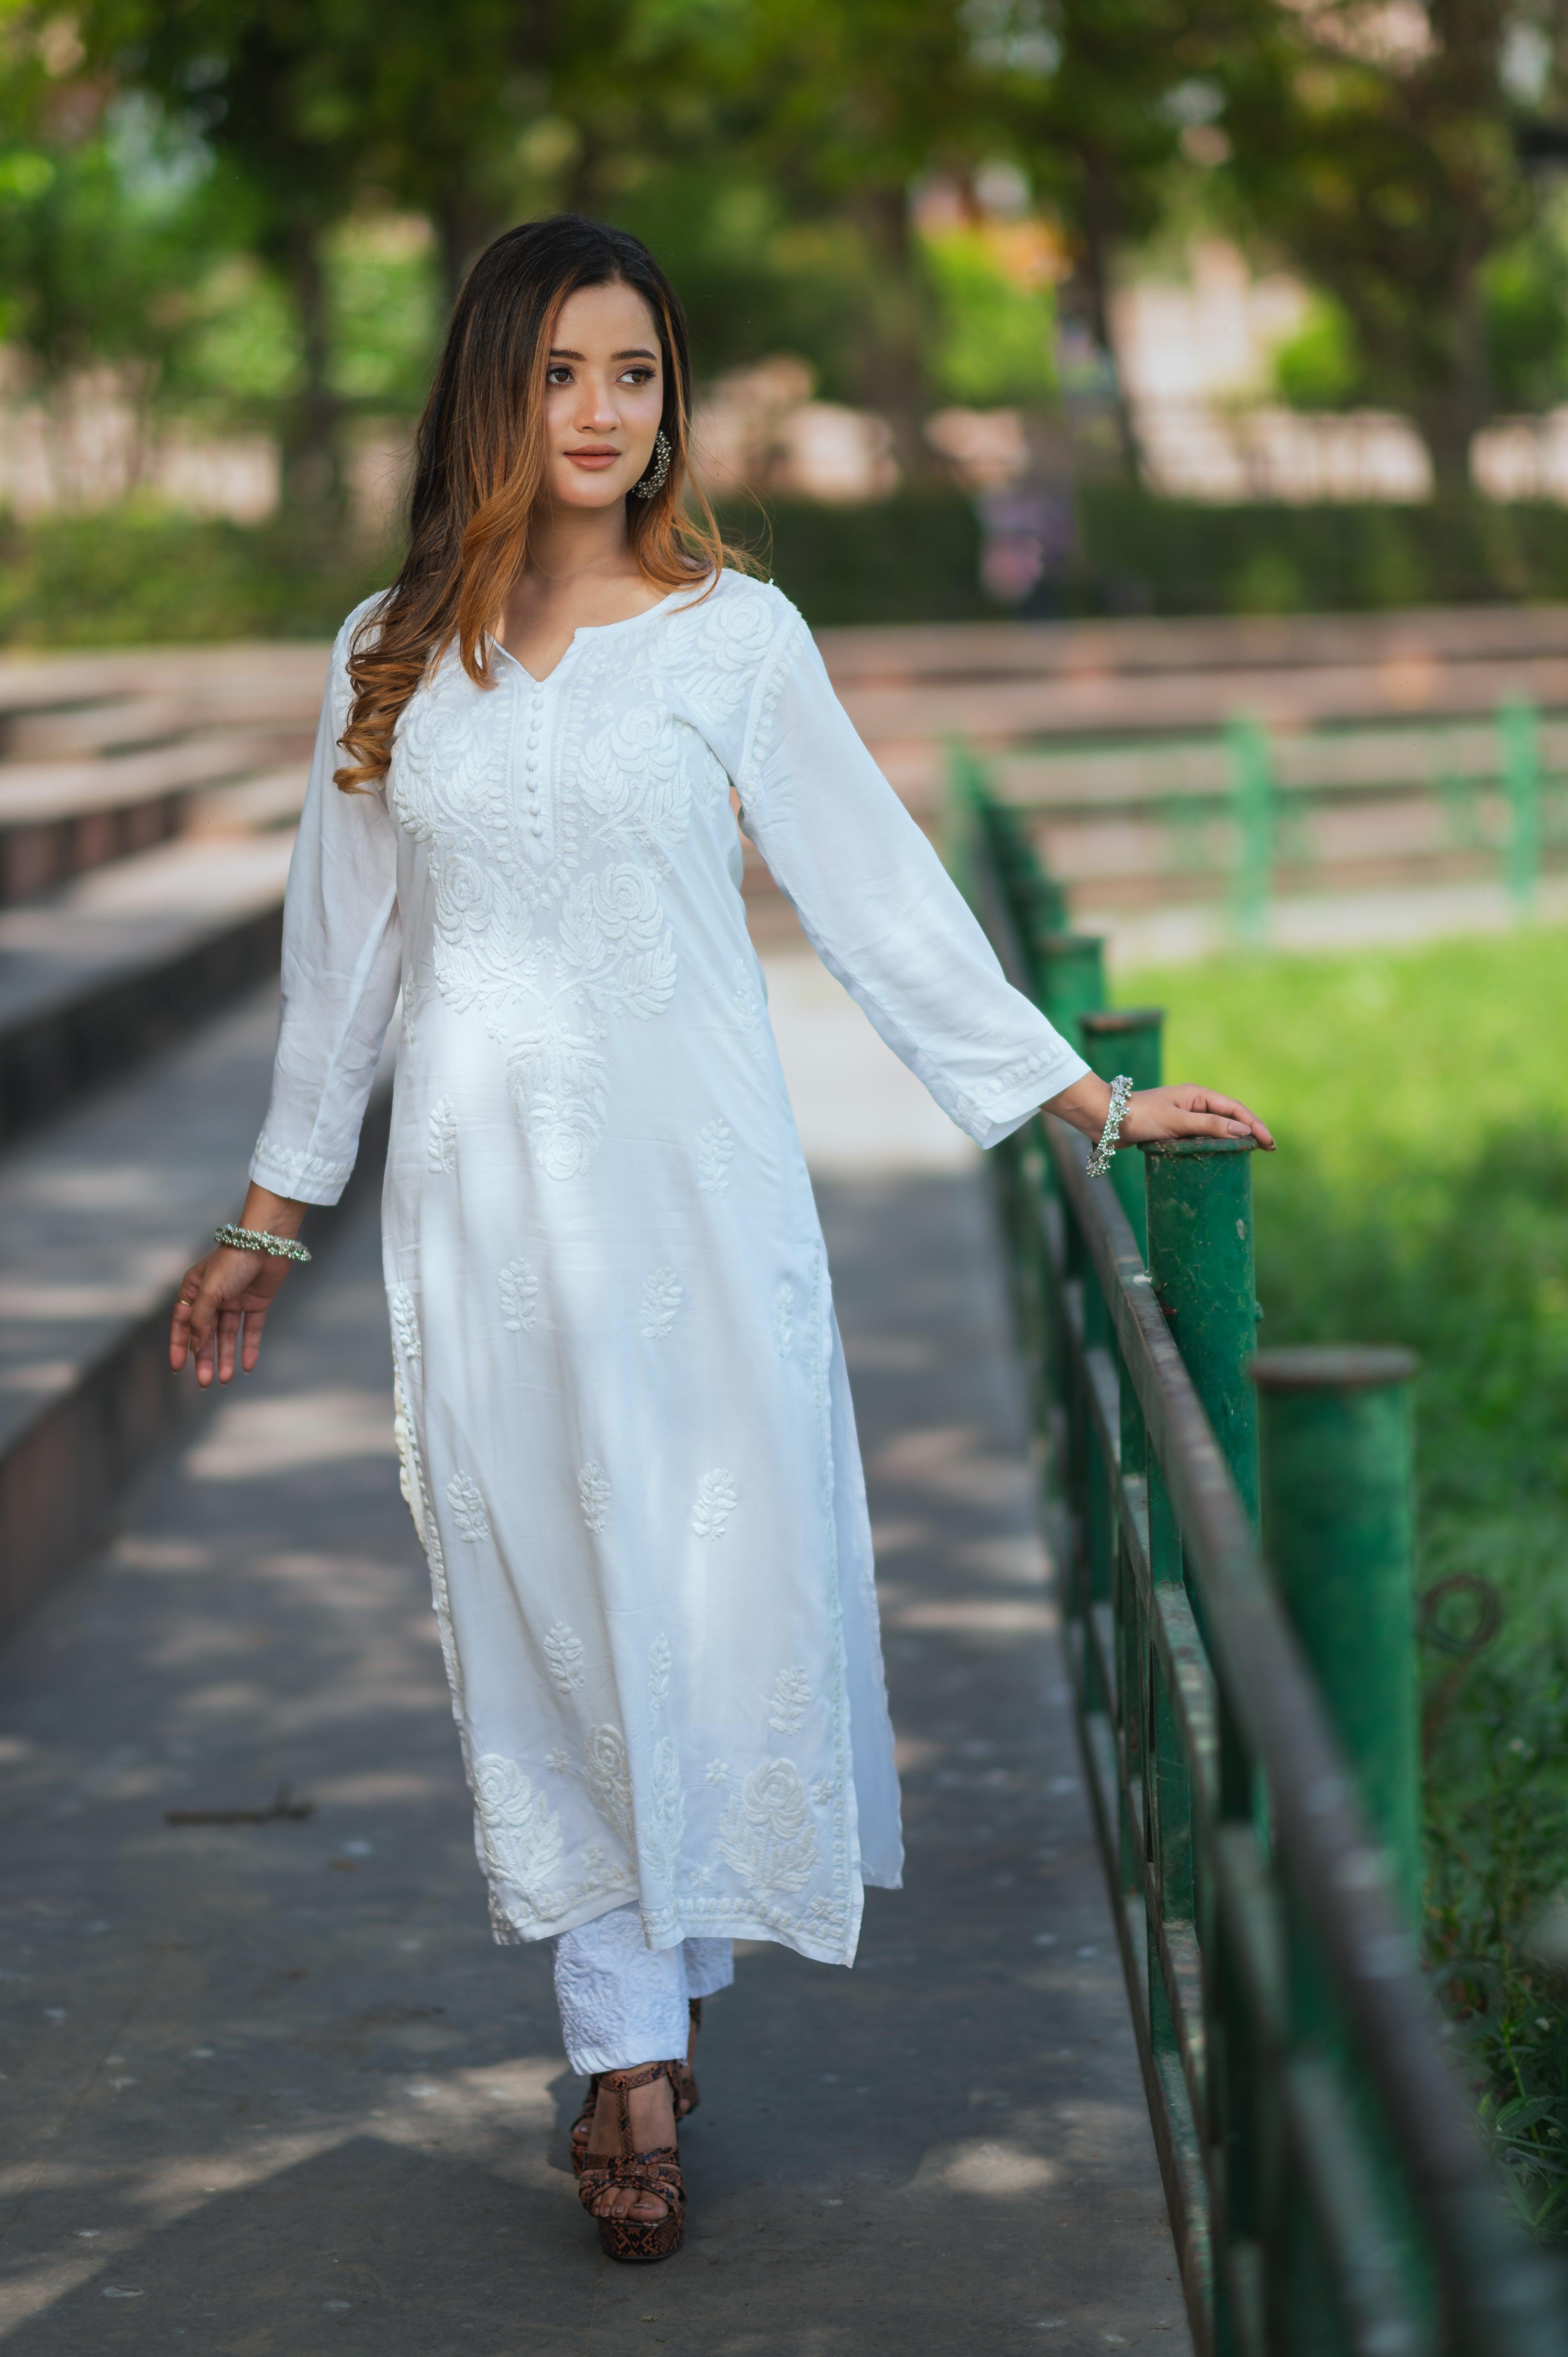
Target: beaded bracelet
[(1100, 1160), (259, 1240)]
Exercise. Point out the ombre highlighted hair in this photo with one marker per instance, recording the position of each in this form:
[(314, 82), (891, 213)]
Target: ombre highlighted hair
[(480, 463)]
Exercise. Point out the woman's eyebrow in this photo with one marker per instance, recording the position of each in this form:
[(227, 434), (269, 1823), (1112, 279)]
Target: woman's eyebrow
[(636, 353)]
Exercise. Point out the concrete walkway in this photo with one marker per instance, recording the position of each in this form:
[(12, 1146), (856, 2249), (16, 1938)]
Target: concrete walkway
[(271, 2089)]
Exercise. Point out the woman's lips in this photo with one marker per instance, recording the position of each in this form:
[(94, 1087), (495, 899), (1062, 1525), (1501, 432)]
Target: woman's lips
[(598, 460)]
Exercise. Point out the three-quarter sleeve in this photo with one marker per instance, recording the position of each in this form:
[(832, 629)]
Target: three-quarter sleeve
[(880, 909), (343, 949)]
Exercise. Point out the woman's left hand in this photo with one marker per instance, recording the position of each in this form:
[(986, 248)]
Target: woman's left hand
[(1181, 1111)]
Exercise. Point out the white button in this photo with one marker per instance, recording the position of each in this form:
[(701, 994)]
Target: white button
[(537, 828)]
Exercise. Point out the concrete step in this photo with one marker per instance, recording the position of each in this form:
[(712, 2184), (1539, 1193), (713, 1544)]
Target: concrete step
[(59, 819), (122, 962), (100, 1217), (46, 700), (1412, 641)]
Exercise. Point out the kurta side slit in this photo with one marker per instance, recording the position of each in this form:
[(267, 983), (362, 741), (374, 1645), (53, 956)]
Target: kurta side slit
[(623, 1412)]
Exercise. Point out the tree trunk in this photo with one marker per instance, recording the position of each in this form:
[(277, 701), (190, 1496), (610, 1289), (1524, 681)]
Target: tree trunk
[(1453, 410), (314, 481), (1097, 225), (463, 229), (890, 375)]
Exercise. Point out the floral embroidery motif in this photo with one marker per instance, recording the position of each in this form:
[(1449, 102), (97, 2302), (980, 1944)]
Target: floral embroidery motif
[(609, 1773), (784, 1317), (765, 1835), (716, 1501), (558, 1083), (292, 1166), (659, 1666), (405, 1320), (416, 1498), (594, 1495), (716, 1773), (467, 1502), (519, 1833), (823, 1790), (553, 948), (791, 1695), (563, 1653), (662, 1297), (634, 781), (441, 1139), (666, 1827), (743, 990), (559, 1762), (520, 1297), (715, 1152), (616, 956)]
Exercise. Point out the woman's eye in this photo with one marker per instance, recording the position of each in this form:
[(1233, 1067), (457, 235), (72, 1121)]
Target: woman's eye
[(559, 374), (639, 376)]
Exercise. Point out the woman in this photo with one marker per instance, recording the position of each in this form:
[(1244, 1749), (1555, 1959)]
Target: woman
[(623, 1414)]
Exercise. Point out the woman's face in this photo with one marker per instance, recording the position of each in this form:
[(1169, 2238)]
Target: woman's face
[(604, 397)]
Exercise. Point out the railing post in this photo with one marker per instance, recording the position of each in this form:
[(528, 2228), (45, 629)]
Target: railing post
[(1201, 1265), (1127, 1039), (1200, 1262), (1254, 801), (1338, 1519), (1071, 970), (1517, 722), (1337, 1455)]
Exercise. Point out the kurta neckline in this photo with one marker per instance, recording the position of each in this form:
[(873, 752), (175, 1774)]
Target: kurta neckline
[(584, 630)]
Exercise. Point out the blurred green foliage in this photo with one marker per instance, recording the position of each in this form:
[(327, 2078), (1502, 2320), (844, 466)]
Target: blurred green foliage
[(1320, 366), (142, 571), (994, 342), (1420, 1195)]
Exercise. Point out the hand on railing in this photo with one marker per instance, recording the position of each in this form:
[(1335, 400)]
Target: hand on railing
[(1154, 1113)]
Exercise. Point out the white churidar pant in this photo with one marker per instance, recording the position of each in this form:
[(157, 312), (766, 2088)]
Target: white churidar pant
[(623, 2002)]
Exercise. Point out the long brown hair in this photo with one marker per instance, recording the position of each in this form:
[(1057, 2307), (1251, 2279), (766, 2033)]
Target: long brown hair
[(480, 462)]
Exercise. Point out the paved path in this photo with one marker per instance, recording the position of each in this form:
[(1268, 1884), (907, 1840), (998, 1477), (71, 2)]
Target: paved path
[(275, 2093)]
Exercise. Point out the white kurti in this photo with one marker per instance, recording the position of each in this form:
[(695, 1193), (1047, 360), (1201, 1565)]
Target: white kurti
[(624, 1417)]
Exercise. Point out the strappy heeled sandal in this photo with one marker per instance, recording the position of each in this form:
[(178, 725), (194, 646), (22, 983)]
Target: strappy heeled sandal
[(657, 2172), (684, 2083)]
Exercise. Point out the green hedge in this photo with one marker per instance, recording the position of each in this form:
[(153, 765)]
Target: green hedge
[(140, 573), (134, 576), (1167, 557)]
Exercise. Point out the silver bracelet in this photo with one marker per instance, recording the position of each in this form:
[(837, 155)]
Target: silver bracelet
[(1100, 1160), (259, 1240)]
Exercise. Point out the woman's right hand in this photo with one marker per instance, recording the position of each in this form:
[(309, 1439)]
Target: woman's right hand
[(223, 1299)]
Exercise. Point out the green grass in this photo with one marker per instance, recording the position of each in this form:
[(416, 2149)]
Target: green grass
[(1420, 1195)]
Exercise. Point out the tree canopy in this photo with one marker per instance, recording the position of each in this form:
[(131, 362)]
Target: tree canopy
[(191, 189)]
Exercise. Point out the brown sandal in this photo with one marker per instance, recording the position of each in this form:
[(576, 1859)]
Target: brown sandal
[(683, 2081), (636, 2241)]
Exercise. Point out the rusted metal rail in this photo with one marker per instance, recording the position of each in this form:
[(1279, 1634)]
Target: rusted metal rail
[(1245, 1700)]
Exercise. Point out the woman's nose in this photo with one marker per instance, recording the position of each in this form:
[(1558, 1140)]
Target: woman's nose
[(595, 411)]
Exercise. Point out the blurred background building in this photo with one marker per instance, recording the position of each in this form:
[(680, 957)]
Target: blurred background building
[(994, 289)]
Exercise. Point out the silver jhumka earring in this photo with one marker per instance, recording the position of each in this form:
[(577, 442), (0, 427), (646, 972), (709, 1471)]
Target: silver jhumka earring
[(654, 481)]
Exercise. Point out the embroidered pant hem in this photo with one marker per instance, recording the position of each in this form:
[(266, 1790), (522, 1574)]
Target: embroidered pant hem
[(621, 2001)]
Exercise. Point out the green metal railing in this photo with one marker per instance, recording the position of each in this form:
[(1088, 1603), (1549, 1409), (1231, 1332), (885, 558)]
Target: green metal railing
[(1233, 1534), (1239, 808)]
